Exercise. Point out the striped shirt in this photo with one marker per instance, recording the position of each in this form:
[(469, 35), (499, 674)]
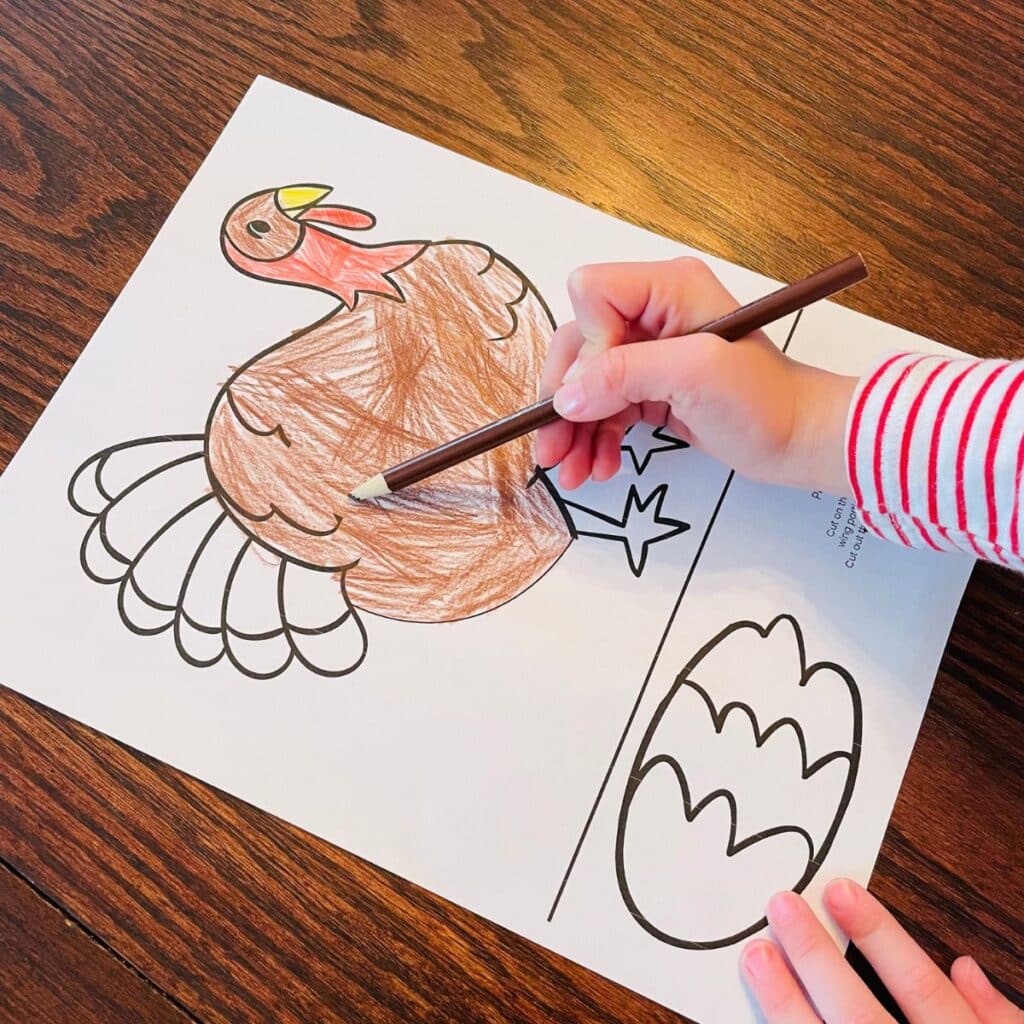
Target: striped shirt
[(934, 451)]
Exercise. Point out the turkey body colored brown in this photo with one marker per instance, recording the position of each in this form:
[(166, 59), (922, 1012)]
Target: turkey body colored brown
[(300, 425)]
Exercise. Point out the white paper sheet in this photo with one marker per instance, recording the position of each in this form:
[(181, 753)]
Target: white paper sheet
[(488, 759)]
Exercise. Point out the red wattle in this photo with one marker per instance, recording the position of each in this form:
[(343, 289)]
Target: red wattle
[(335, 265)]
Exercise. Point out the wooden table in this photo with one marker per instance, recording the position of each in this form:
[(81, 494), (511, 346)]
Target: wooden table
[(777, 135)]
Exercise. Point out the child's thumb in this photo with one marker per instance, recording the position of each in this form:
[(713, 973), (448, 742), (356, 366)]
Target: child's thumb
[(647, 371)]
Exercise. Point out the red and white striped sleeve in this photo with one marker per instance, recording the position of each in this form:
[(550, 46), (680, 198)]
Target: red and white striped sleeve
[(934, 451)]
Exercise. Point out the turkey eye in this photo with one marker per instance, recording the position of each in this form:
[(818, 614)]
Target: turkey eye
[(257, 228)]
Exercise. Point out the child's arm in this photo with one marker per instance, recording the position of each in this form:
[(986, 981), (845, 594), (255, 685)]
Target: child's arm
[(934, 453), (931, 448)]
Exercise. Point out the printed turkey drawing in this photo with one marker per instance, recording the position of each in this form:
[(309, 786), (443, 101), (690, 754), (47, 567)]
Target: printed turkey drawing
[(241, 541)]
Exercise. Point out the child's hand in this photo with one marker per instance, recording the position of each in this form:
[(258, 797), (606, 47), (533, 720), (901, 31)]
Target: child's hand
[(744, 402), (821, 972)]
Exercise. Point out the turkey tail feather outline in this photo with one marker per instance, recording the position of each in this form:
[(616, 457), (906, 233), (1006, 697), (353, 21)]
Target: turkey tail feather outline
[(182, 564)]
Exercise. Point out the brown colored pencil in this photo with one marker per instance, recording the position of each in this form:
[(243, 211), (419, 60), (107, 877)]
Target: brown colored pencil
[(731, 327)]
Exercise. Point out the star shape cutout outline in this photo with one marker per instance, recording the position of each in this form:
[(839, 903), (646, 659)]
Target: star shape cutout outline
[(634, 504), (641, 462)]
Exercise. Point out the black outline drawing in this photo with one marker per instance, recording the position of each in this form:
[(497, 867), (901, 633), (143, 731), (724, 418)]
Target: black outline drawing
[(606, 778), (634, 505), (178, 618), (642, 765), (296, 214), (671, 444)]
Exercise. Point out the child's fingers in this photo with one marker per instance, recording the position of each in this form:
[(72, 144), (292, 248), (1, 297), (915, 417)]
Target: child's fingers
[(660, 299), (553, 442), (654, 413), (576, 466), (988, 1003), (678, 429), (923, 992), (608, 442), (562, 353), (612, 301), (649, 371), (607, 452), (829, 980), (777, 992)]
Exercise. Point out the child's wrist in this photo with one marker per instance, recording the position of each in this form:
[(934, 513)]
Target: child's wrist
[(817, 459)]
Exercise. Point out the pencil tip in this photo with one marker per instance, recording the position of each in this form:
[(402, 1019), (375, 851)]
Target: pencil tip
[(375, 487)]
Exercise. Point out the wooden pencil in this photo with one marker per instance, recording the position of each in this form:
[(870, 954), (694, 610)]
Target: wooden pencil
[(731, 327)]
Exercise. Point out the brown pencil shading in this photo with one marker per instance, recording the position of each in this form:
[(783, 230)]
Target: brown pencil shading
[(300, 422), (731, 327)]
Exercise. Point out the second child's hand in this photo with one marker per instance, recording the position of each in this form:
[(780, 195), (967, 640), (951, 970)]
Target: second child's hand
[(806, 979)]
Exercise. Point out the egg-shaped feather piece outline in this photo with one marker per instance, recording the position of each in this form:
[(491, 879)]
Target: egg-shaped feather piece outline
[(693, 804)]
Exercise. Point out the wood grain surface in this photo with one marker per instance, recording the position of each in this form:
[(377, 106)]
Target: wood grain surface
[(54, 971), (778, 135)]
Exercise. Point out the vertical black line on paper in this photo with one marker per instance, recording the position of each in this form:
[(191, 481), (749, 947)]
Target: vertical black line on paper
[(650, 670)]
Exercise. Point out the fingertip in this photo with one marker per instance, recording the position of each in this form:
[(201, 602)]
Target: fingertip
[(607, 454), (570, 476), (542, 448), (783, 908), (968, 977), (841, 897), (576, 466), (596, 292), (605, 470), (758, 959), (578, 281), (570, 472), (552, 444), (562, 352), (853, 908), (773, 984), (962, 971)]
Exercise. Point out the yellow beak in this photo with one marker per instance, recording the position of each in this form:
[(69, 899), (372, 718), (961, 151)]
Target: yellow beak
[(296, 198)]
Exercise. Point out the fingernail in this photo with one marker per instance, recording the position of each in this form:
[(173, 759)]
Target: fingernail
[(569, 399), (783, 907), (841, 895), (757, 959), (979, 979)]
